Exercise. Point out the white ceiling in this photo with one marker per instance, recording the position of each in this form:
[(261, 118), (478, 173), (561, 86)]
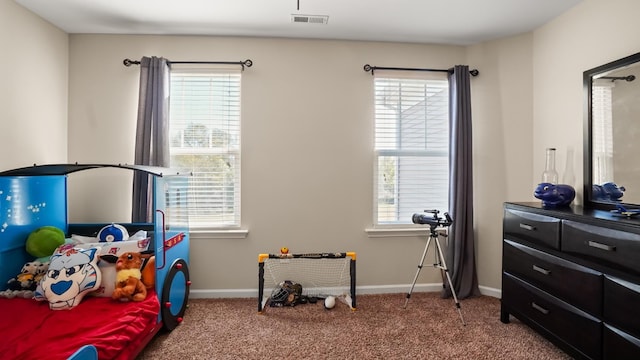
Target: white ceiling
[(458, 22)]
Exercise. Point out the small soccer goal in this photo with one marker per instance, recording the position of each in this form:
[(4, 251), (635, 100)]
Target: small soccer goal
[(320, 275)]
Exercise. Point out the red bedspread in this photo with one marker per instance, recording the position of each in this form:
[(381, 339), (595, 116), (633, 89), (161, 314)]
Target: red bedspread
[(30, 330)]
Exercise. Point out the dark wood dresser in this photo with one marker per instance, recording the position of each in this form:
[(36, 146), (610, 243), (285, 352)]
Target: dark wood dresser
[(573, 275)]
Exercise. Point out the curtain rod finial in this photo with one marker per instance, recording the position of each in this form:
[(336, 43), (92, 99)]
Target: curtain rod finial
[(129, 62), (474, 72)]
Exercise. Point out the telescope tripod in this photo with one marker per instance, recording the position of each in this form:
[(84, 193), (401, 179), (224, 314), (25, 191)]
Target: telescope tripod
[(440, 264)]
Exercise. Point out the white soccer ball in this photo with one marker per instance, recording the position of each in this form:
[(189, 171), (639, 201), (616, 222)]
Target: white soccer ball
[(329, 302)]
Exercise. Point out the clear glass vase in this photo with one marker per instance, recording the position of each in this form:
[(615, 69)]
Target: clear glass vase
[(550, 175)]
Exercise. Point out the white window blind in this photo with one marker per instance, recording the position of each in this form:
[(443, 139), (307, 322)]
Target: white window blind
[(602, 125), (205, 140), (411, 147)]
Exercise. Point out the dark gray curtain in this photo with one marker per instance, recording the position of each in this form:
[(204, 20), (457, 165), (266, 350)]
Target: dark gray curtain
[(460, 255), (152, 131)]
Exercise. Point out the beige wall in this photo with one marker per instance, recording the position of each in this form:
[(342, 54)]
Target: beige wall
[(307, 113), (591, 34), (307, 144), (530, 97), (33, 90), (502, 126), (313, 160)]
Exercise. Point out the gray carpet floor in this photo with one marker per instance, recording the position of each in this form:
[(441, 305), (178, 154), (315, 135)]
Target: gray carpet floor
[(380, 328)]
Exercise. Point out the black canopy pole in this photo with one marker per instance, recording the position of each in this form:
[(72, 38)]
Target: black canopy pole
[(368, 68), (247, 63)]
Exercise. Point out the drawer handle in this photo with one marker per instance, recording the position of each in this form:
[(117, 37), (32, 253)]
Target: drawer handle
[(600, 246), (539, 308), (541, 270), (527, 227)]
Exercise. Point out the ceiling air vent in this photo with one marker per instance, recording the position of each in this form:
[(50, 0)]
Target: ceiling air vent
[(310, 19)]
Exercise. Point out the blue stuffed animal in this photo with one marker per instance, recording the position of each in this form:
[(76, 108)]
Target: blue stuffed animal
[(554, 195)]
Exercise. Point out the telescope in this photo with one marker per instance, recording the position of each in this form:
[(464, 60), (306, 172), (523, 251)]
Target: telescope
[(430, 217)]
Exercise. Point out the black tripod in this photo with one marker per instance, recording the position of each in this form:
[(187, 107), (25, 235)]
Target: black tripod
[(440, 263)]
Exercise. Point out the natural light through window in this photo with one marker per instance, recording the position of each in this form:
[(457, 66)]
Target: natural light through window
[(205, 140), (602, 131), (411, 147)]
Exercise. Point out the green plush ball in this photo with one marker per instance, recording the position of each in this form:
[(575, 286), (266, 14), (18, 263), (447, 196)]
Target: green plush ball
[(44, 241)]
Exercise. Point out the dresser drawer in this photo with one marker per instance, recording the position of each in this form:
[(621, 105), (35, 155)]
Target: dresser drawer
[(615, 248), (573, 283), (535, 228), (618, 345), (621, 307), (574, 327)]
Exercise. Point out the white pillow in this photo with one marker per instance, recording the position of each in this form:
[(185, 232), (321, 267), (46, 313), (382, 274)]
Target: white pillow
[(81, 239), (108, 255), (63, 286)]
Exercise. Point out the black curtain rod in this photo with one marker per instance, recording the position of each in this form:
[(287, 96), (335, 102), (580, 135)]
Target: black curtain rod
[(368, 68), (614, 78), (247, 63)]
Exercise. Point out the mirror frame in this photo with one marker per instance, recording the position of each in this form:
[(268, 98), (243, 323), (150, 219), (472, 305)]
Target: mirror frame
[(587, 80)]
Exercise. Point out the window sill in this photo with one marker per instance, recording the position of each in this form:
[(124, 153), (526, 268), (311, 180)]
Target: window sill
[(218, 234), (395, 232), (402, 232)]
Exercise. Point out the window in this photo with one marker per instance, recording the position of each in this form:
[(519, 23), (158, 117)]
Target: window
[(205, 140), (411, 147), (602, 125)]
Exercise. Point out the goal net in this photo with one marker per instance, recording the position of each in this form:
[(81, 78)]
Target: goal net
[(320, 274)]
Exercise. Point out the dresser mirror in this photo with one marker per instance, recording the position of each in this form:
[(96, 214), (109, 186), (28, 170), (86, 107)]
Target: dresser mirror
[(612, 134)]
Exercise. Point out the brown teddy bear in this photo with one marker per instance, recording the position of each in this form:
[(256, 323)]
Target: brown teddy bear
[(129, 285)]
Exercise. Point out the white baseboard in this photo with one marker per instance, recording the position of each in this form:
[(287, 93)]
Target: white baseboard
[(223, 293), (493, 292), (372, 289)]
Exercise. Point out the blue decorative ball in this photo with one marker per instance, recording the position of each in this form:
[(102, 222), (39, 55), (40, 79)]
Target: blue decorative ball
[(113, 232)]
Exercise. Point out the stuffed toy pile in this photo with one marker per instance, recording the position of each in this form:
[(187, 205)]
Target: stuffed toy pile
[(40, 244), (113, 264), (31, 273)]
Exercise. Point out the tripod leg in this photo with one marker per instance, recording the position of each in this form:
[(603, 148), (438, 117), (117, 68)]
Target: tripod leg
[(424, 254), (439, 265), (446, 272)]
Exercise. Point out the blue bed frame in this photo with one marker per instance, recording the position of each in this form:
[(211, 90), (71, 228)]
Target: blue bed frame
[(36, 196)]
